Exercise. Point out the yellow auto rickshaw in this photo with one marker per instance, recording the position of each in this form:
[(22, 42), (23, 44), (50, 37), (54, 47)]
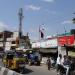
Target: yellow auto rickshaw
[(14, 61)]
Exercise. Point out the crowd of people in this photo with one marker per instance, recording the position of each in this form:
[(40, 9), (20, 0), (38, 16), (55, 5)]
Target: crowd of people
[(65, 65)]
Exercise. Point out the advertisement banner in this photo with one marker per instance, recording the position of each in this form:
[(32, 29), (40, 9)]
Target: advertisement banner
[(36, 45), (51, 43), (68, 40)]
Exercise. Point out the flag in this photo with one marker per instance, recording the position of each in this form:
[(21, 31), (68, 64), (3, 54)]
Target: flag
[(41, 33)]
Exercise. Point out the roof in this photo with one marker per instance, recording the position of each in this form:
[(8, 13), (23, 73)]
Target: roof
[(50, 50)]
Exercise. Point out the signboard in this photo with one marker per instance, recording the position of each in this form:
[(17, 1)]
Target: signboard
[(7, 46), (43, 44), (70, 53), (68, 40), (54, 42), (51, 43), (36, 45)]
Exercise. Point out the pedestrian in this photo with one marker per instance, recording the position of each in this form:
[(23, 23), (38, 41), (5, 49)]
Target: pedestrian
[(52, 62), (67, 64), (59, 62), (48, 63), (72, 67)]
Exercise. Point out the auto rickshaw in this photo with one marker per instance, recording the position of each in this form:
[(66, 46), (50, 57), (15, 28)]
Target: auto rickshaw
[(14, 61)]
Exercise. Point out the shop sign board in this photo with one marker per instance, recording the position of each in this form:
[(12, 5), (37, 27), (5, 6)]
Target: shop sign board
[(68, 40), (70, 53), (36, 45), (43, 44), (51, 43)]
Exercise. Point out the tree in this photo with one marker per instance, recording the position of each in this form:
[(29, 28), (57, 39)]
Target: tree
[(73, 20)]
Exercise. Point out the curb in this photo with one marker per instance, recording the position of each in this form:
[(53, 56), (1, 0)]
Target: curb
[(6, 71)]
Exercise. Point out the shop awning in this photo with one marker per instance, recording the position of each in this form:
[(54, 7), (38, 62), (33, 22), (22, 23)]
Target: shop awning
[(71, 53), (50, 50)]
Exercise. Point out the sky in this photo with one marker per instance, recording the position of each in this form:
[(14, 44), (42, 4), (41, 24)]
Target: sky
[(53, 15)]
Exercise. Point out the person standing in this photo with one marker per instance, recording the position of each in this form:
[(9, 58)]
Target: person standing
[(52, 62), (67, 64), (48, 63), (59, 61)]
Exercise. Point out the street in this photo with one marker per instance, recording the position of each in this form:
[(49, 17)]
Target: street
[(39, 70), (1, 64), (36, 70)]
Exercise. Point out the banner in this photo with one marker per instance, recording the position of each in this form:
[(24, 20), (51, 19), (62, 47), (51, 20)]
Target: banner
[(68, 40)]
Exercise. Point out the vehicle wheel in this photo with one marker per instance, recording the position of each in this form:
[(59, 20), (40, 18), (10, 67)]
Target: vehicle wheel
[(21, 70)]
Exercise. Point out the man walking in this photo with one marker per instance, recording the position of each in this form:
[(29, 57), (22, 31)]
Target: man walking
[(48, 63)]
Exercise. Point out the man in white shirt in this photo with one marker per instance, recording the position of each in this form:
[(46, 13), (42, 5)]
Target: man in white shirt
[(59, 61)]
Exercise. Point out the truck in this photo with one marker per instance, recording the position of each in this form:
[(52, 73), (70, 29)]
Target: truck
[(33, 58)]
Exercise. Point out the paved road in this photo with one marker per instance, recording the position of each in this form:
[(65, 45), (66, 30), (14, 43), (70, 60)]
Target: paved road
[(36, 70), (39, 70), (1, 64)]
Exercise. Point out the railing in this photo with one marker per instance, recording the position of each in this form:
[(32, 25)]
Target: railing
[(11, 39)]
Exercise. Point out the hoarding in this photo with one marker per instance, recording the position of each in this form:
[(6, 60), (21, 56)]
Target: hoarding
[(68, 40), (43, 44), (51, 43), (36, 45)]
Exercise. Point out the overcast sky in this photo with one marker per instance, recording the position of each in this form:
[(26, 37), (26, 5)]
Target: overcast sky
[(54, 14)]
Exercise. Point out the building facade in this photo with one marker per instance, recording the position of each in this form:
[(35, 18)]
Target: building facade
[(10, 41), (61, 44)]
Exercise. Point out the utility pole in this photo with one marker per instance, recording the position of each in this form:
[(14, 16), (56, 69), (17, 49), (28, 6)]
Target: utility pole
[(3, 41), (20, 24), (66, 42), (73, 20)]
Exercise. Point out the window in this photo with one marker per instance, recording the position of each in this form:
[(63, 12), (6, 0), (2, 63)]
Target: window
[(13, 42)]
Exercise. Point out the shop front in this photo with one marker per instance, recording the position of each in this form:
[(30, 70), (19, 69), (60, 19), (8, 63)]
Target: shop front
[(67, 45)]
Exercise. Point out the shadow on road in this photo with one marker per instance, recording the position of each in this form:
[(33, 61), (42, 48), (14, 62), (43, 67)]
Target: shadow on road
[(27, 71)]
